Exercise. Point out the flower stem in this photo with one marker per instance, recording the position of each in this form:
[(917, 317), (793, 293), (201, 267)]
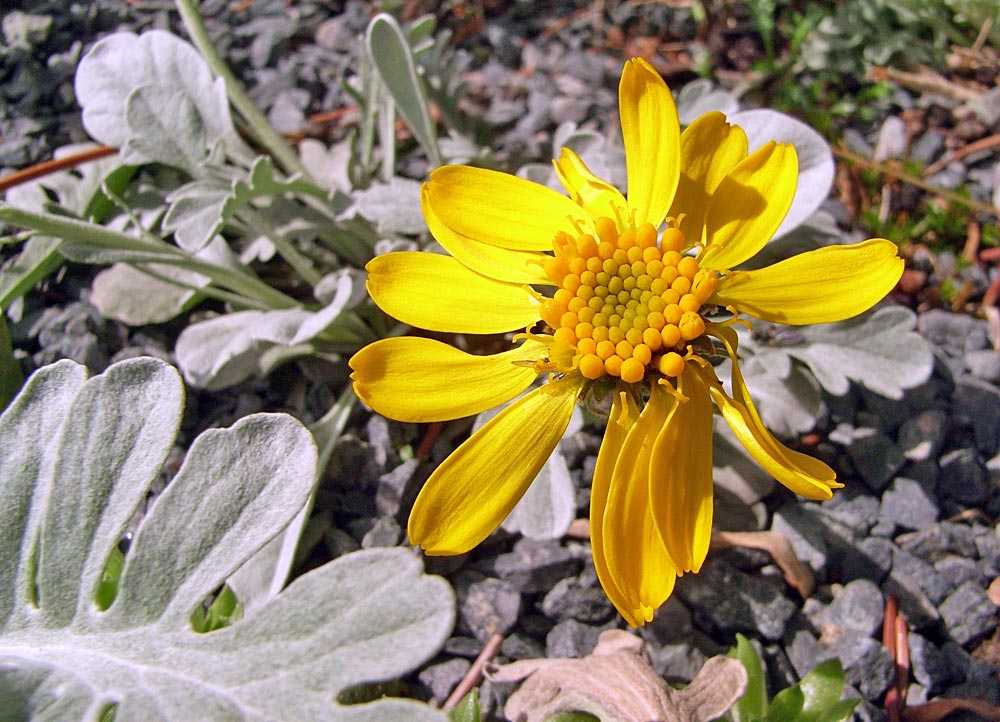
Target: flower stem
[(80, 232), (265, 134)]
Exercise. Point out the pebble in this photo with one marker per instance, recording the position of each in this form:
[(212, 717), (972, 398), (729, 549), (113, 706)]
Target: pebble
[(534, 565), (984, 364), (909, 504), (730, 601), (486, 605), (857, 608), (921, 436), (443, 677), (875, 457), (963, 477), (968, 613), (386, 532), (930, 665), (870, 559), (977, 403), (569, 599), (572, 639), (798, 523)]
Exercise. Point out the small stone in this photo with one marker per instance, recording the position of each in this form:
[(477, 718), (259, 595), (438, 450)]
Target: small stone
[(921, 437), (534, 565), (339, 542), (678, 663), (392, 485), (487, 606), (938, 540), (958, 570), (571, 639), (725, 599), (984, 364), (520, 646), (797, 522), (875, 457), (442, 678), (926, 147), (968, 613), (569, 599), (963, 477), (988, 548), (857, 608), (931, 667), (858, 513), (463, 647), (980, 682), (935, 586), (671, 624), (386, 532), (909, 504), (919, 611), (977, 403), (955, 333), (867, 664), (870, 558)]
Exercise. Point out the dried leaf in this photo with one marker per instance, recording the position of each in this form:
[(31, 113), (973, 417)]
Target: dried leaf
[(940, 708), (616, 684), (796, 573)]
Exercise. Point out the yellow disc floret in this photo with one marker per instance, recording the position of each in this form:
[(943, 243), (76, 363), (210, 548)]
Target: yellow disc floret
[(627, 302)]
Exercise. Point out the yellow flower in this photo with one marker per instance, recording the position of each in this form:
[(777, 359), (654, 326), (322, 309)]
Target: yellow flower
[(634, 312)]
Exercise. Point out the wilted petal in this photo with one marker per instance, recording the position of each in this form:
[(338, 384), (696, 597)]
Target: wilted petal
[(475, 488), (439, 293), (420, 380), (680, 484), (637, 558), (652, 140), (820, 286), (624, 413)]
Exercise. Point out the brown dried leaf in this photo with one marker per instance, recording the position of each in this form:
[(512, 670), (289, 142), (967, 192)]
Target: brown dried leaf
[(938, 709), (616, 684), (796, 573)]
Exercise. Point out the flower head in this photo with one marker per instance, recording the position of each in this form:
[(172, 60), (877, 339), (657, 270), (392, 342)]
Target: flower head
[(636, 287)]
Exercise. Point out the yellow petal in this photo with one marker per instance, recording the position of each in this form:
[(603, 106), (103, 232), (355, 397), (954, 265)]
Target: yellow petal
[(637, 559), (624, 413), (749, 204), (680, 485), (596, 196), (500, 209), (799, 472), (710, 149), (419, 379), (502, 264), (652, 140), (820, 286), (475, 488), (439, 293)]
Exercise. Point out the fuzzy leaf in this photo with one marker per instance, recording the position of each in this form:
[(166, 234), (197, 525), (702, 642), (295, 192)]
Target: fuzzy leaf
[(392, 58), (165, 127), (789, 401), (123, 62), (125, 293), (77, 457), (879, 350), (816, 165), (394, 207)]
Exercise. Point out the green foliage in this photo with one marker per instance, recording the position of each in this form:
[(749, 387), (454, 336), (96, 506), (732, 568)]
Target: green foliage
[(10, 372), (816, 698), (467, 709)]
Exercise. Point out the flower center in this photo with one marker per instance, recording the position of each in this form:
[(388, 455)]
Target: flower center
[(626, 303)]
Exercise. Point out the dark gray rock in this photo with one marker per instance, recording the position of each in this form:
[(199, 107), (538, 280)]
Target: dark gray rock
[(984, 364), (940, 540), (876, 458), (977, 403), (442, 678), (677, 663), (921, 436), (534, 565), (963, 477), (935, 585), (571, 639), (487, 606), (520, 646), (392, 486), (867, 664), (931, 666), (955, 333), (919, 611), (909, 504), (671, 624), (857, 608), (870, 559), (797, 521), (859, 513), (968, 613), (466, 647), (958, 570), (726, 600), (569, 599), (988, 549)]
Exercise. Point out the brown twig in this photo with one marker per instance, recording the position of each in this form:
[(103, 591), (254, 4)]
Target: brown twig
[(54, 166), (475, 673), (894, 639), (926, 81), (990, 141), (893, 172), (427, 443)]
